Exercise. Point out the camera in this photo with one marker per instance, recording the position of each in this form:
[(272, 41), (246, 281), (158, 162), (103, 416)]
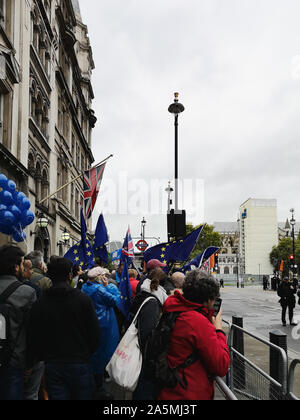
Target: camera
[(217, 306)]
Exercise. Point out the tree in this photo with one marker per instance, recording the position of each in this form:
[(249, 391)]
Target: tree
[(282, 253), (207, 238)]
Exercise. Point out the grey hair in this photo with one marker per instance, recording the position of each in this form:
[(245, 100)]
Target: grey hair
[(36, 257), (178, 279)]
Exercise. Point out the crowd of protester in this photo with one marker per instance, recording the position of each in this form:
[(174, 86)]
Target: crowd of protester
[(65, 327)]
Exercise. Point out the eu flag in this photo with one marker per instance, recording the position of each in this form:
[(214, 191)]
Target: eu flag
[(82, 253), (126, 292), (174, 251), (200, 259), (101, 238)]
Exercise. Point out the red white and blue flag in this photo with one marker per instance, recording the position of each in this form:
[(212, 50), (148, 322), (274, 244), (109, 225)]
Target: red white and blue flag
[(128, 248), (91, 186)]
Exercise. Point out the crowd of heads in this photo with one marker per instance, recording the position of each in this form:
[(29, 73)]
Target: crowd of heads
[(197, 286)]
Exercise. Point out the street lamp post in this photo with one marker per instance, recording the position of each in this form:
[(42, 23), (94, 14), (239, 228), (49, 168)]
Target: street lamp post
[(293, 224), (143, 228), (176, 108)]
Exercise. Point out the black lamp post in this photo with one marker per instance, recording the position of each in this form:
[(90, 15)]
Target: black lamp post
[(143, 228), (293, 224), (176, 108)]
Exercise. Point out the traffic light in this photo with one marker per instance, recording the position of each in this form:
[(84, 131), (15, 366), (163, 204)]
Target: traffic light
[(292, 260), (216, 262)]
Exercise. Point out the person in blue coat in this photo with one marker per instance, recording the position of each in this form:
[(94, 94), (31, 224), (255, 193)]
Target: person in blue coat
[(105, 297)]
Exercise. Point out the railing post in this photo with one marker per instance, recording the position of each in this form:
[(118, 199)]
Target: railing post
[(278, 370), (238, 365)]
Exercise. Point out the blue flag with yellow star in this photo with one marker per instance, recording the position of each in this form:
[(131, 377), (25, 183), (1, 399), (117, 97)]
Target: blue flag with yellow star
[(82, 253), (174, 251), (101, 238), (200, 259), (126, 292)]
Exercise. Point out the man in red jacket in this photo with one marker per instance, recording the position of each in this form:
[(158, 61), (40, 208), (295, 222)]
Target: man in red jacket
[(197, 330)]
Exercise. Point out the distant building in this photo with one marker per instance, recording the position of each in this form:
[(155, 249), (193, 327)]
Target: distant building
[(258, 235), (228, 257)]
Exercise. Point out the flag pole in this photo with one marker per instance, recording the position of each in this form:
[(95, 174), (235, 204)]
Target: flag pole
[(73, 180)]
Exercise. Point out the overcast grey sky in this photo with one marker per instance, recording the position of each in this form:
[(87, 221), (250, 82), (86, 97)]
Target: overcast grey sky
[(236, 66)]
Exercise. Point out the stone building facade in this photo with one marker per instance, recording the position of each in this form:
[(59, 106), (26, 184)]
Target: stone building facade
[(46, 64), (229, 253)]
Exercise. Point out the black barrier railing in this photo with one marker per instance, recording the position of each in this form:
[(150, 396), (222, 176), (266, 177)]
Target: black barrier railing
[(248, 381), (291, 380)]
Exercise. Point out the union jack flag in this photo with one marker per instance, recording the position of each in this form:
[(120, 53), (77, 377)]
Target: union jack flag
[(128, 249), (91, 185)]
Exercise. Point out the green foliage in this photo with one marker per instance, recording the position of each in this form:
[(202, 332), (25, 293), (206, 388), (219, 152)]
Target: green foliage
[(207, 238), (283, 252)]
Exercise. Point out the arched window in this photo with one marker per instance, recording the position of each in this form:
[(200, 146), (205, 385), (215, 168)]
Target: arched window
[(31, 164), (45, 186), (38, 182), (226, 270)]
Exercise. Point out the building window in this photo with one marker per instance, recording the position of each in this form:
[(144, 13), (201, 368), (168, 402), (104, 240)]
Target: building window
[(226, 270), (38, 182)]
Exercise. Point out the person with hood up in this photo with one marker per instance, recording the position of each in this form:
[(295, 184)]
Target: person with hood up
[(196, 331), (105, 297)]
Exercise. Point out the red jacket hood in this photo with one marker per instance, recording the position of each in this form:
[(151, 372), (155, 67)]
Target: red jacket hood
[(177, 303)]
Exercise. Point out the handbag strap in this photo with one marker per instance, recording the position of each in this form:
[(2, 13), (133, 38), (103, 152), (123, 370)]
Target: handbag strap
[(9, 291), (141, 307)]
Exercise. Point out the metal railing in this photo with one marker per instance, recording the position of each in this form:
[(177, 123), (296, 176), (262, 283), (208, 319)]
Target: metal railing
[(225, 390), (291, 380), (251, 382), (247, 381)]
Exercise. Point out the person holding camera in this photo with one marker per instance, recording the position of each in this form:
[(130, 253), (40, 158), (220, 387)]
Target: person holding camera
[(198, 330), (287, 291)]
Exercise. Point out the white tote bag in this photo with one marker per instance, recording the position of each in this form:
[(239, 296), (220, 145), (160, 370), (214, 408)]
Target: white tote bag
[(125, 365)]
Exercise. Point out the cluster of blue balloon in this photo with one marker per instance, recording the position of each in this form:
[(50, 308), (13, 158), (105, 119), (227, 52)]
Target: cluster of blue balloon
[(14, 210)]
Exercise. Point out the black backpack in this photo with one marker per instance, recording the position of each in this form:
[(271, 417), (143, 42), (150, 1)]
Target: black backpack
[(156, 352), (6, 344)]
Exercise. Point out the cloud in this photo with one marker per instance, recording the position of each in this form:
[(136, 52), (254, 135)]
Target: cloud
[(232, 63)]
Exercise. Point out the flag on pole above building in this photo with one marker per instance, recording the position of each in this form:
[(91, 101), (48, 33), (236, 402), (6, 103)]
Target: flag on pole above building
[(91, 186)]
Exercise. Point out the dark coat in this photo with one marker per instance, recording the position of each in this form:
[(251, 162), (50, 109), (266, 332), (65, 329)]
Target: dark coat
[(148, 317), (287, 291), (63, 327)]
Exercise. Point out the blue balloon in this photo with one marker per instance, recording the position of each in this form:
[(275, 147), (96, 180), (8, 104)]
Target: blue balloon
[(19, 198), (27, 218), (3, 207), (6, 198), (3, 181), (11, 186), (25, 205), (6, 230), (18, 236), (7, 218), (16, 212)]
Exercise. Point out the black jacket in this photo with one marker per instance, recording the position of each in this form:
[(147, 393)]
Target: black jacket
[(287, 292), (148, 317), (63, 327)]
